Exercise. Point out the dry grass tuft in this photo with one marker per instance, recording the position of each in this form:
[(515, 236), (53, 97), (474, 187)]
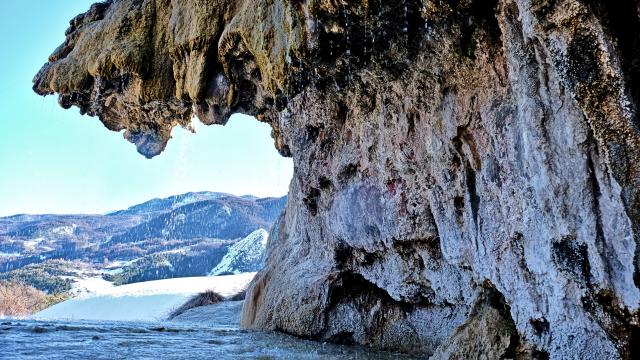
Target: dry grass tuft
[(209, 297), (239, 296)]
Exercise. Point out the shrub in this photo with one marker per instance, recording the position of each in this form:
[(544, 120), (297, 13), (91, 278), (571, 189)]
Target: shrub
[(21, 300)]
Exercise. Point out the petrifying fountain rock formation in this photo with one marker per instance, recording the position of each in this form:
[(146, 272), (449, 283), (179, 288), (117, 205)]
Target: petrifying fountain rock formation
[(467, 173)]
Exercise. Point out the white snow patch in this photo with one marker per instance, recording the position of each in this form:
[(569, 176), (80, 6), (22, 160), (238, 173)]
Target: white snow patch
[(67, 230), (92, 285), (175, 251), (32, 244), (5, 254), (119, 264), (112, 271), (185, 201), (145, 301)]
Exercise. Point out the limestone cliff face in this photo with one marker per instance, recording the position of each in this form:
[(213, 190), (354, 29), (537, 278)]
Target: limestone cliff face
[(467, 173)]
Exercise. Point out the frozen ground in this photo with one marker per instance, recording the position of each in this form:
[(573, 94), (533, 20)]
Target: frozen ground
[(98, 340), (146, 301), (84, 328), (220, 315)]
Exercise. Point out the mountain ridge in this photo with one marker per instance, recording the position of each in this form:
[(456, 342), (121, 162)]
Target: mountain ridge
[(176, 236)]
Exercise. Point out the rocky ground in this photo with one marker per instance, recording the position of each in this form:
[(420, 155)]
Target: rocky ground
[(459, 165)]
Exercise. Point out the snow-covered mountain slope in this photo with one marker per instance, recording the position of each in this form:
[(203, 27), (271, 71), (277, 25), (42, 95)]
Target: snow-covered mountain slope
[(146, 301), (228, 217), (179, 236), (167, 204), (247, 255)]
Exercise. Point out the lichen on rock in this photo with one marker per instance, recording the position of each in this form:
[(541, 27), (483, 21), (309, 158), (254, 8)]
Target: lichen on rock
[(446, 154)]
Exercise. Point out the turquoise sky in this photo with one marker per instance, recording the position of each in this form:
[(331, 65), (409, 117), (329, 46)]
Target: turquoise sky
[(56, 161)]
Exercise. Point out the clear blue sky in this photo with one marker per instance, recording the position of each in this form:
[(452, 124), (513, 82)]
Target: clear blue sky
[(56, 161)]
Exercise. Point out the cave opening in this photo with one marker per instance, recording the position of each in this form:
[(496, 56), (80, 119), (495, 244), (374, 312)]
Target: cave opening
[(94, 208)]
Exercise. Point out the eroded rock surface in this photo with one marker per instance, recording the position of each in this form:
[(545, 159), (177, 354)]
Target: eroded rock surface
[(459, 165)]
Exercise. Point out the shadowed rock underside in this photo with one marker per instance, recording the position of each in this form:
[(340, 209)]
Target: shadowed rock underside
[(467, 173)]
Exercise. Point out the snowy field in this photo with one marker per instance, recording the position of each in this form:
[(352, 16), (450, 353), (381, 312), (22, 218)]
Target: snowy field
[(145, 301)]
